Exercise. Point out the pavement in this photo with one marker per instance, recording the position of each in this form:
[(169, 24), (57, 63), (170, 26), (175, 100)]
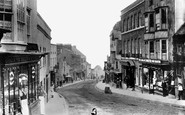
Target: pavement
[(57, 105), (138, 94)]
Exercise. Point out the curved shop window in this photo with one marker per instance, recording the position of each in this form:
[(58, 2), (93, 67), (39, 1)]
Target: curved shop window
[(18, 88), (11, 101)]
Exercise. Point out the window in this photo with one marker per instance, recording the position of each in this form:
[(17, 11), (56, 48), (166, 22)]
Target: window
[(158, 49), (20, 30), (139, 46), (151, 46), (133, 46), (146, 23), (151, 20), (179, 49), (150, 2), (124, 25), (139, 19), (158, 21), (132, 22), (163, 46), (146, 48), (127, 24), (28, 21), (116, 64), (135, 20), (161, 18), (136, 46)]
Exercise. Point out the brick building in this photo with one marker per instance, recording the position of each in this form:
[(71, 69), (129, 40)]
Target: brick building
[(150, 29), (132, 35)]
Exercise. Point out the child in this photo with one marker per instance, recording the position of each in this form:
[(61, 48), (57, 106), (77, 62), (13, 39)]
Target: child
[(180, 89)]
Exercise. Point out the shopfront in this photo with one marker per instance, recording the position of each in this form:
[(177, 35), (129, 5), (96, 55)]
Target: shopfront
[(19, 82), (155, 73), (128, 70)]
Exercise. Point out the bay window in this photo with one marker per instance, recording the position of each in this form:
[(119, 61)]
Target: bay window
[(161, 18)]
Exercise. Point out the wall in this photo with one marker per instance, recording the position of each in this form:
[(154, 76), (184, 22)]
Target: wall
[(43, 41)]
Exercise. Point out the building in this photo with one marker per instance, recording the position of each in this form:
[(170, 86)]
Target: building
[(43, 41), (132, 35), (152, 32), (162, 20), (53, 63), (98, 72), (115, 54), (88, 69), (69, 59), (19, 56)]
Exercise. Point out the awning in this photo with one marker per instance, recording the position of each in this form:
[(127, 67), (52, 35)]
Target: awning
[(127, 62), (131, 62), (68, 76)]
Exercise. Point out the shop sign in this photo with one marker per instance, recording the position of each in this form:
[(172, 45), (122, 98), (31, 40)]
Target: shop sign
[(15, 59), (150, 61)]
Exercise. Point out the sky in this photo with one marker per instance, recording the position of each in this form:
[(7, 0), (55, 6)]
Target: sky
[(85, 24)]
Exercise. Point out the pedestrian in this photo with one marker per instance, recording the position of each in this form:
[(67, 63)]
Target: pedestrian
[(164, 86), (127, 81), (180, 89)]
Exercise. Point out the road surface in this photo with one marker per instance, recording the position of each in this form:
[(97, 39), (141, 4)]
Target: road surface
[(84, 96)]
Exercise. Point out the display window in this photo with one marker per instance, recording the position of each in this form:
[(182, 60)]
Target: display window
[(18, 83)]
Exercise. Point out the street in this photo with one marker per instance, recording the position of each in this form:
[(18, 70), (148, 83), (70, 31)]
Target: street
[(83, 97)]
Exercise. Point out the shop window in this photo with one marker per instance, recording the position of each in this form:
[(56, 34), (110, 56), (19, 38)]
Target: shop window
[(151, 46), (163, 46), (33, 84), (179, 50)]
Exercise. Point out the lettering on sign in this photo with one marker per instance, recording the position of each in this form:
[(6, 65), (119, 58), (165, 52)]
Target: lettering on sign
[(150, 61)]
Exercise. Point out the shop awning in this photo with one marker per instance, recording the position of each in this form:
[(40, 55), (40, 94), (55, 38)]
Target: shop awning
[(127, 62)]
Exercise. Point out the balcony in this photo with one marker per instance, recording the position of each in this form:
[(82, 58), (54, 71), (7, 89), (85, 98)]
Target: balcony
[(6, 25)]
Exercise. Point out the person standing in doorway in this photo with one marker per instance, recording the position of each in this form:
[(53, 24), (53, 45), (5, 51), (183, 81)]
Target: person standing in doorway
[(180, 88)]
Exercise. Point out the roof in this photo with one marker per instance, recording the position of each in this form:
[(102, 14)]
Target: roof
[(134, 4), (181, 30)]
